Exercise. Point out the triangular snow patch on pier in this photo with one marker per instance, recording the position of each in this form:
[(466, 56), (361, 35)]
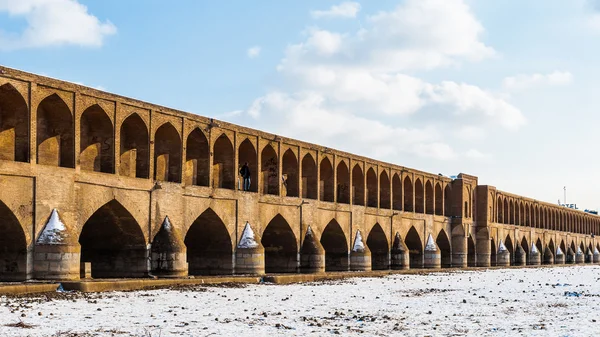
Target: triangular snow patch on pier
[(54, 232), (430, 246), (534, 249), (359, 245), (559, 251), (579, 252), (502, 247), (248, 240)]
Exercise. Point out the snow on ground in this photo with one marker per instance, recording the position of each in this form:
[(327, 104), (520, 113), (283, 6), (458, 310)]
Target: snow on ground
[(560, 301)]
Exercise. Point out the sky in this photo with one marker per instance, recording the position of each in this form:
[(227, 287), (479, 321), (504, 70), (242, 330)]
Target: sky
[(503, 90)]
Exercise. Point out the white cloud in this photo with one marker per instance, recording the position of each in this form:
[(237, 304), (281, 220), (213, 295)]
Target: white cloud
[(357, 90), (470, 133), (525, 81), (253, 52), (476, 154), (53, 23), (343, 10)]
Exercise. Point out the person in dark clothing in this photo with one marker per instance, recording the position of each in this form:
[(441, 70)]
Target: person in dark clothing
[(245, 173)]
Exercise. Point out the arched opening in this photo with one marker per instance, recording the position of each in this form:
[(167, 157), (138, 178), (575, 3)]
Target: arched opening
[(471, 258), (247, 154), (343, 183), (112, 240), (521, 215), (384, 191), (358, 186), (419, 197), (197, 159), (334, 242), (539, 246), (397, 193), (14, 125), (135, 160), (96, 141), (493, 252), (270, 171), (512, 213), (209, 248), (429, 205), (309, 177), (506, 216), (167, 154), (527, 216), (55, 141), (526, 248), (326, 181), (439, 201), (415, 248), (499, 209), (552, 247), (380, 250), (447, 203), (408, 195), (443, 244), (281, 249), (372, 192), (13, 247), (510, 246), (290, 173), (223, 163)]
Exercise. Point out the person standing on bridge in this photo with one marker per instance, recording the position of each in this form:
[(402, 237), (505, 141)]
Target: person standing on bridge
[(245, 173)]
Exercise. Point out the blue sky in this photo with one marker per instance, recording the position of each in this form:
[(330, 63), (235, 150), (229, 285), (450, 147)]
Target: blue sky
[(505, 90)]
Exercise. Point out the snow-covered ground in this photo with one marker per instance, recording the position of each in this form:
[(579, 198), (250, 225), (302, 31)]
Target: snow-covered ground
[(508, 302)]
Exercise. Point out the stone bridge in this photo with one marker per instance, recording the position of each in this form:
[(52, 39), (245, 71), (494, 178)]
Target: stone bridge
[(92, 182)]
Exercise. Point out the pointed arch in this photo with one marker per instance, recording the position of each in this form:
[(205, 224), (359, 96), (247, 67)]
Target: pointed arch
[(96, 141), (135, 148), (397, 192), (223, 163), (281, 248), (112, 240), (493, 252), (167, 154), (510, 246), (563, 247), (14, 125), (343, 183), (384, 191), (197, 159), (326, 181), (415, 247), (379, 247), (269, 168), (429, 203), (358, 186), (471, 252), (526, 248), (408, 195), (309, 177), (439, 200), (528, 215), (419, 197), (511, 215), (335, 244), (443, 244), (447, 203), (209, 248), (289, 169), (521, 215), (13, 247), (247, 155), (506, 215), (500, 217), (55, 133), (372, 191), (539, 246), (552, 247)]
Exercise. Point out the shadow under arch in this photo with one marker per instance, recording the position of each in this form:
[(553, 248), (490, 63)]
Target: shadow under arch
[(55, 133), (335, 244), (135, 146), (209, 247), (379, 247), (443, 244), (471, 253), (13, 247), (112, 240), (281, 248), (14, 125), (415, 248), (510, 246)]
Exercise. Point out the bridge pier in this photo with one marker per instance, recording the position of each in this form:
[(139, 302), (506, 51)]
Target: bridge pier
[(589, 257), (483, 253), (459, 251), (168, 254), (399, 254), (548, 256), (579, 257), (520, 256), (360, 256), (250, 254), (503, 258), (56, 261), (432, 258), (312, 254), (570, 258), (535, 258)]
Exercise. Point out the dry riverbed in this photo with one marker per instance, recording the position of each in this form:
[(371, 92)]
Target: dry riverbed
[(509, 302)]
